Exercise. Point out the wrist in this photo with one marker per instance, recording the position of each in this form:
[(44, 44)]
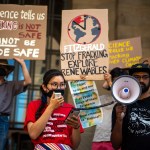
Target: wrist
[(50, 107), (23, 64), (119, 120), (77, 127), (109, 83)]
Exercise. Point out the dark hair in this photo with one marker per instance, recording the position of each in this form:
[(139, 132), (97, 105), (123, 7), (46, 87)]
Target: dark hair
[(49, 75), (141, 67), (46, 78), (116, 72)]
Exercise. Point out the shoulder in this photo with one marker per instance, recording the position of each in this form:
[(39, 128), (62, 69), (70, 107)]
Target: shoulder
[(15, 84), (68, 105), (34, 103)]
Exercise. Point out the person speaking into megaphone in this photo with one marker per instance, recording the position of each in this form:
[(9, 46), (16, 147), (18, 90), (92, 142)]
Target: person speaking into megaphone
[(101, 139), (128, 132)]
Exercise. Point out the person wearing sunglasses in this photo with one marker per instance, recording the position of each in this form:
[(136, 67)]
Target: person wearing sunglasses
[(131, 131)]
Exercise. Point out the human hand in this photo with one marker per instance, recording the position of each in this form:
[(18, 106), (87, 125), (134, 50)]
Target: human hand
[(55, 102), (73, 122), (108, 82), (107, 77), (19, 60), (120, 111)]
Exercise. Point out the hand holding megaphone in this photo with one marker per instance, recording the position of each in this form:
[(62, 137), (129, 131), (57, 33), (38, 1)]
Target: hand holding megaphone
[(120, 111)]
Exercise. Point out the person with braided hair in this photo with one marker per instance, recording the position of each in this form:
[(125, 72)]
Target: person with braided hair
[(46, 119)]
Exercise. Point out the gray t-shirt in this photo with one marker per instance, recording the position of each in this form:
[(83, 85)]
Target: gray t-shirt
[(8, 90)]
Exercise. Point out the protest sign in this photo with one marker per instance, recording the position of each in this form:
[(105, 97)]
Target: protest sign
[(125, 53), (84, 44), (85, 96), (23, 31), (145, 60)]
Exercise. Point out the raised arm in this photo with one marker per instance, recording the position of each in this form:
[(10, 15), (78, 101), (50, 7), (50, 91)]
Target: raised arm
[(27, 78), (108, 80), (116, 135)]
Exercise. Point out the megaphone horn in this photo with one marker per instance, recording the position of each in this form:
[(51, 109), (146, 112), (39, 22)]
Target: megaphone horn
[(126, 89)]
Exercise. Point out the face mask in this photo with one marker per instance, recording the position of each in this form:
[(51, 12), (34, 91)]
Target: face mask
[(50, 93), (3, 72)]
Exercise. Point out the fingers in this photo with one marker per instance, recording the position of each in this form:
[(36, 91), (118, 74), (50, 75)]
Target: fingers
[(56, 102), (120, 111), (53, 95), (73, 121), (107, 76), (122, 115)]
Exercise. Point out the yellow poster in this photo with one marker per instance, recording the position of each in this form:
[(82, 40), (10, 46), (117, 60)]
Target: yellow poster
[(125, 53)]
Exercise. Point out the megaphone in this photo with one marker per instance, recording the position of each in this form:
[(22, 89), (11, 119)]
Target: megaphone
[(126, 89)]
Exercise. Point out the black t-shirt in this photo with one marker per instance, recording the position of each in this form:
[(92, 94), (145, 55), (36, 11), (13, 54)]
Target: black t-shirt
[(136, 126)]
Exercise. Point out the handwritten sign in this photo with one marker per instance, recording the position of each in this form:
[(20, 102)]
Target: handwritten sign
[(85, 95), (84, 44), (91, 117), (23, 31), (125, 53), (145, 60)]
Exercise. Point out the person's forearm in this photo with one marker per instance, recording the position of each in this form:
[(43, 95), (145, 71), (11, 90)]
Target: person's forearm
[(109, 83), (116, 135), (76, 138), (37, 128), (27, 78)]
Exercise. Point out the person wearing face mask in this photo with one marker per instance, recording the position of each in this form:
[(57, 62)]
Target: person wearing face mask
[(131, 131), (8, 90), (46, 119)]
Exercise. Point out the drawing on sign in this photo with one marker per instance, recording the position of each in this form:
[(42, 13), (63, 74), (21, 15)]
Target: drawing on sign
[(84, 29), (84, 44)]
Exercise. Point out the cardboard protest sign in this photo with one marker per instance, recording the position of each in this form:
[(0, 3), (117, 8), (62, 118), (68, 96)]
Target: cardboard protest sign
[(145, 60), (23, 31), (85, 95), (124, 53), (84, 44)]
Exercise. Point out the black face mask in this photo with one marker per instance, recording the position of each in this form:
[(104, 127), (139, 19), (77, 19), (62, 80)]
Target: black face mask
[(3, 72), (50, 93)]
